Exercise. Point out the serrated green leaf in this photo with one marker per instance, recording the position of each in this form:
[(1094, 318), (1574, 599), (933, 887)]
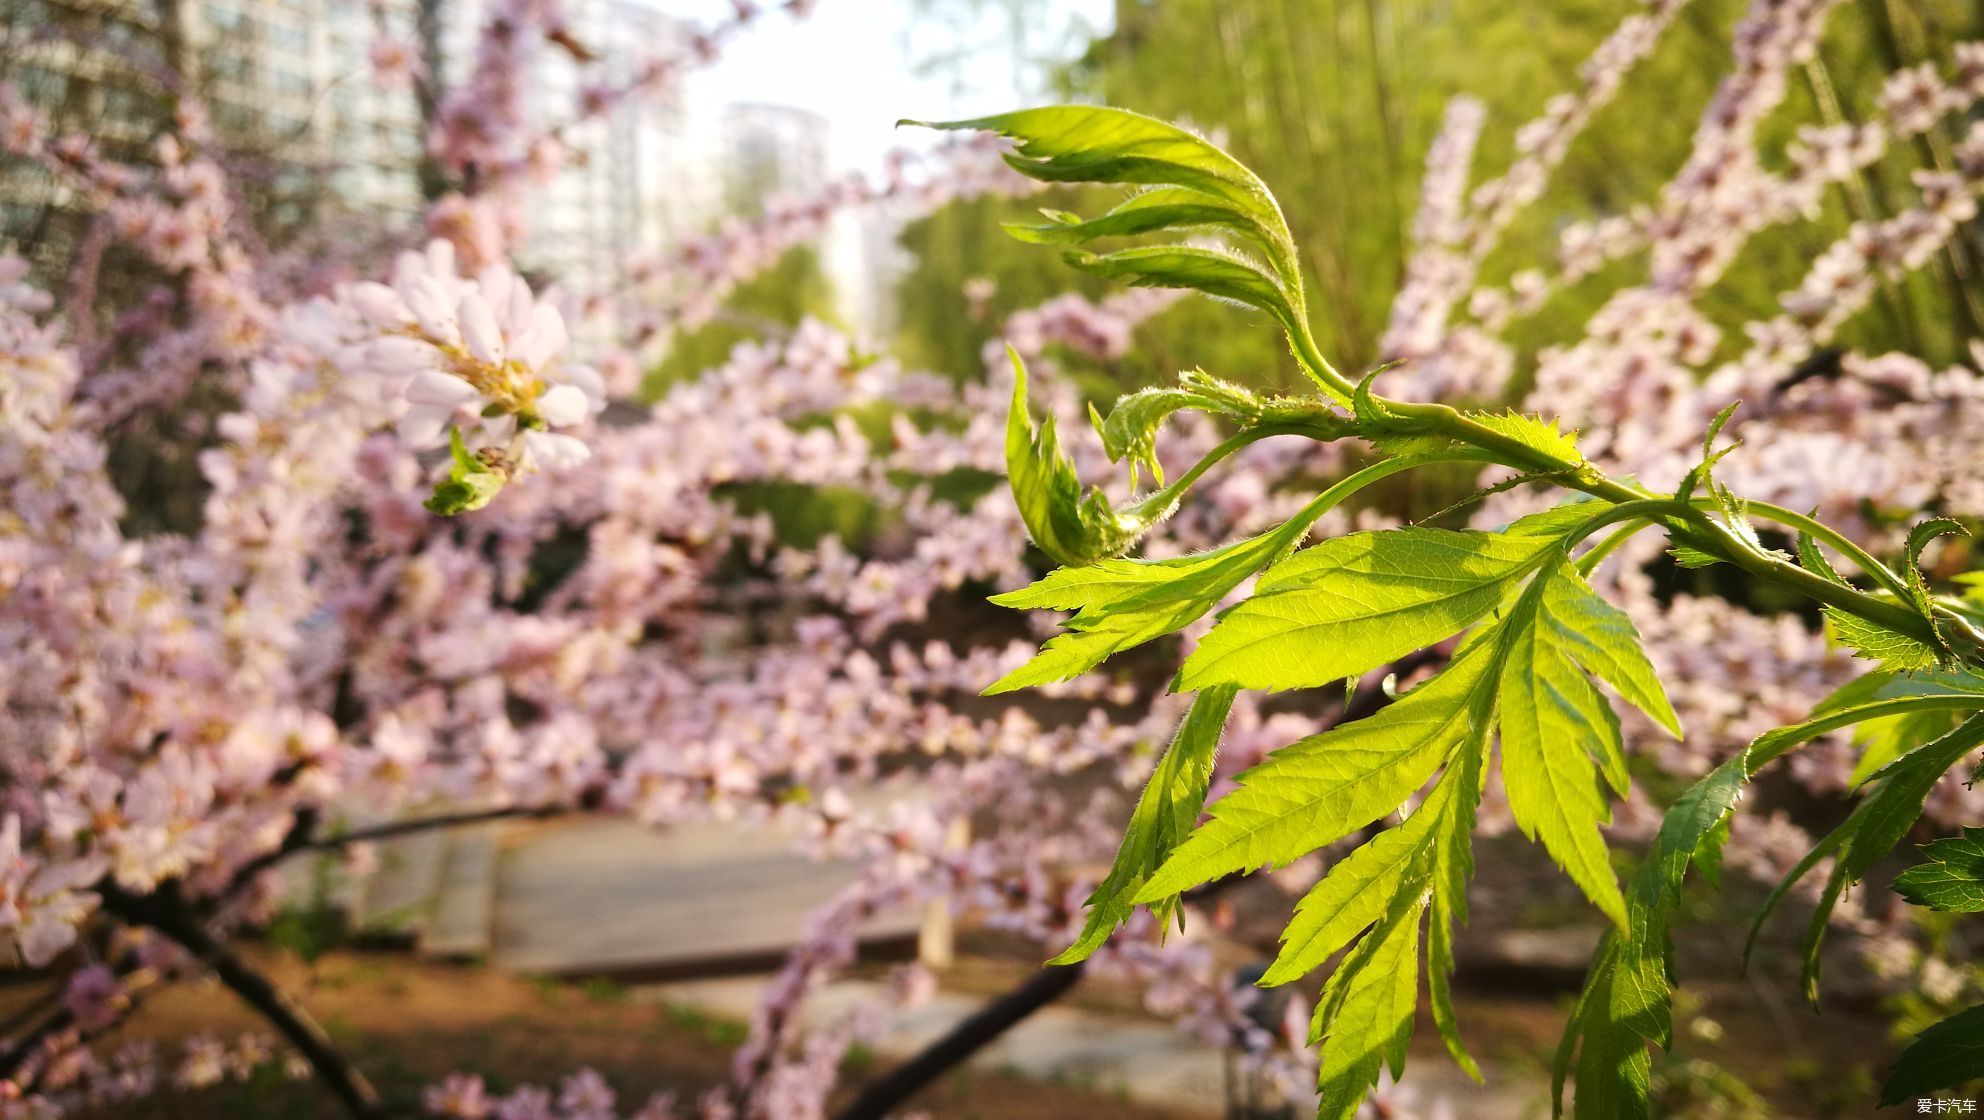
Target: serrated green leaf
[(1893, 652), (1548, 711), (1948, 1054), (1815, 562), (1689, 557), (1318, 790), (1167, 208), (1130, 431), (1953, 878), (1129, 602), (1071, 529), (1211, 271), (1355, 602), (1107, 582), (1199, 186), (1626, 1002), (1890, 808), (1533, 432), (1919, 538), (1170, 805), (1364, 1018), (1603, 639), (1360, 889), (1704, 470), (1453, 865), (1097, 144)]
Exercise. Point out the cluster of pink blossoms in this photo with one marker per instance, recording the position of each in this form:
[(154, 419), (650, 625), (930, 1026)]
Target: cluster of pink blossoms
[(184, 709)]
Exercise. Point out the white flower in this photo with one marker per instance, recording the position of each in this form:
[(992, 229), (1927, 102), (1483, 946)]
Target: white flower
[(428, 299), (553, 452), (479, 330), (400, 357), (562, 406), (436, 398)]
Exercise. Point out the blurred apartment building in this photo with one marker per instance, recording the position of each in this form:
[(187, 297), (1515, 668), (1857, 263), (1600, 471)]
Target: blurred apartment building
[(291, 92), (772, 150), (89, 65)]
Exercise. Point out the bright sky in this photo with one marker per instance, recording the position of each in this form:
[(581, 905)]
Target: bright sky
[(855, 62)]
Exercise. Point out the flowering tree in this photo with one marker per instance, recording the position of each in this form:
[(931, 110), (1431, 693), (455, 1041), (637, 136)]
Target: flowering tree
[(433, 572)]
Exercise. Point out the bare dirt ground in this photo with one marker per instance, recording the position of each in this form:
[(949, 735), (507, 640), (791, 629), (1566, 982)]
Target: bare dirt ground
[(408, 1023)]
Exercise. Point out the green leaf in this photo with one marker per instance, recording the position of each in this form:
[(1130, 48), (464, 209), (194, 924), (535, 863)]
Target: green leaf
[(1167, 208), (471, 483), (1815, 562), (1890, 808), (1364, 1018), (1953, 879), (1355, 602), (1124, 603), (1130, 432), (1948, 1054), (1170, 805), (1131, 429), (1533, 432), (1361, 888), (1704, 470), (1603, 639), (1318, 790), (1626, 1002), (1214, 272), (1199, 187), (1097, 144), (1918, 540), (1895, 652), (1548, 712), (1069, 528), (1453, 865)]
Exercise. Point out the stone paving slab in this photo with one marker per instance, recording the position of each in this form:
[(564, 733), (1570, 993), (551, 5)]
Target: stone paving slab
[(460, 921), (600, 897)]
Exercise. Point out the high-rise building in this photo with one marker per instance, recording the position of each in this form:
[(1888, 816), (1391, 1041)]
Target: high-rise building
[(772, 150), (88, 66), (290, 87)]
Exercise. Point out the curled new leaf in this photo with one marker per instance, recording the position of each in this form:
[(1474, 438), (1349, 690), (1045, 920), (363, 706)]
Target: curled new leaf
[(1069, 527), (1130, 431), (471, 482), (1195, 187)]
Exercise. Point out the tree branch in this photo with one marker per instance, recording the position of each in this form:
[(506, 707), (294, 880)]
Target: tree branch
[(884, 1095), (165, 911), (300, 839)]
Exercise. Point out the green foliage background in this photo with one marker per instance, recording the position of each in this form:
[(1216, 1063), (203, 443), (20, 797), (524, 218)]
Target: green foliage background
[(1335, 102)]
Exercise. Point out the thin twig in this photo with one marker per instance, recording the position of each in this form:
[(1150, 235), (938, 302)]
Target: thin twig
[(301, 841), (165, 911)]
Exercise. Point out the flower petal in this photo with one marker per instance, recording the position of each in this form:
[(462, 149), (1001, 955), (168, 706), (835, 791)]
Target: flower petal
[(552, 452), (561, 406), (432, 387)]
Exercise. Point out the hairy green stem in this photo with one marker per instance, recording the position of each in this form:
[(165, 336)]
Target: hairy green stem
[(1589, 562), (1820, 531), (1700, 532), (1171, 493)]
